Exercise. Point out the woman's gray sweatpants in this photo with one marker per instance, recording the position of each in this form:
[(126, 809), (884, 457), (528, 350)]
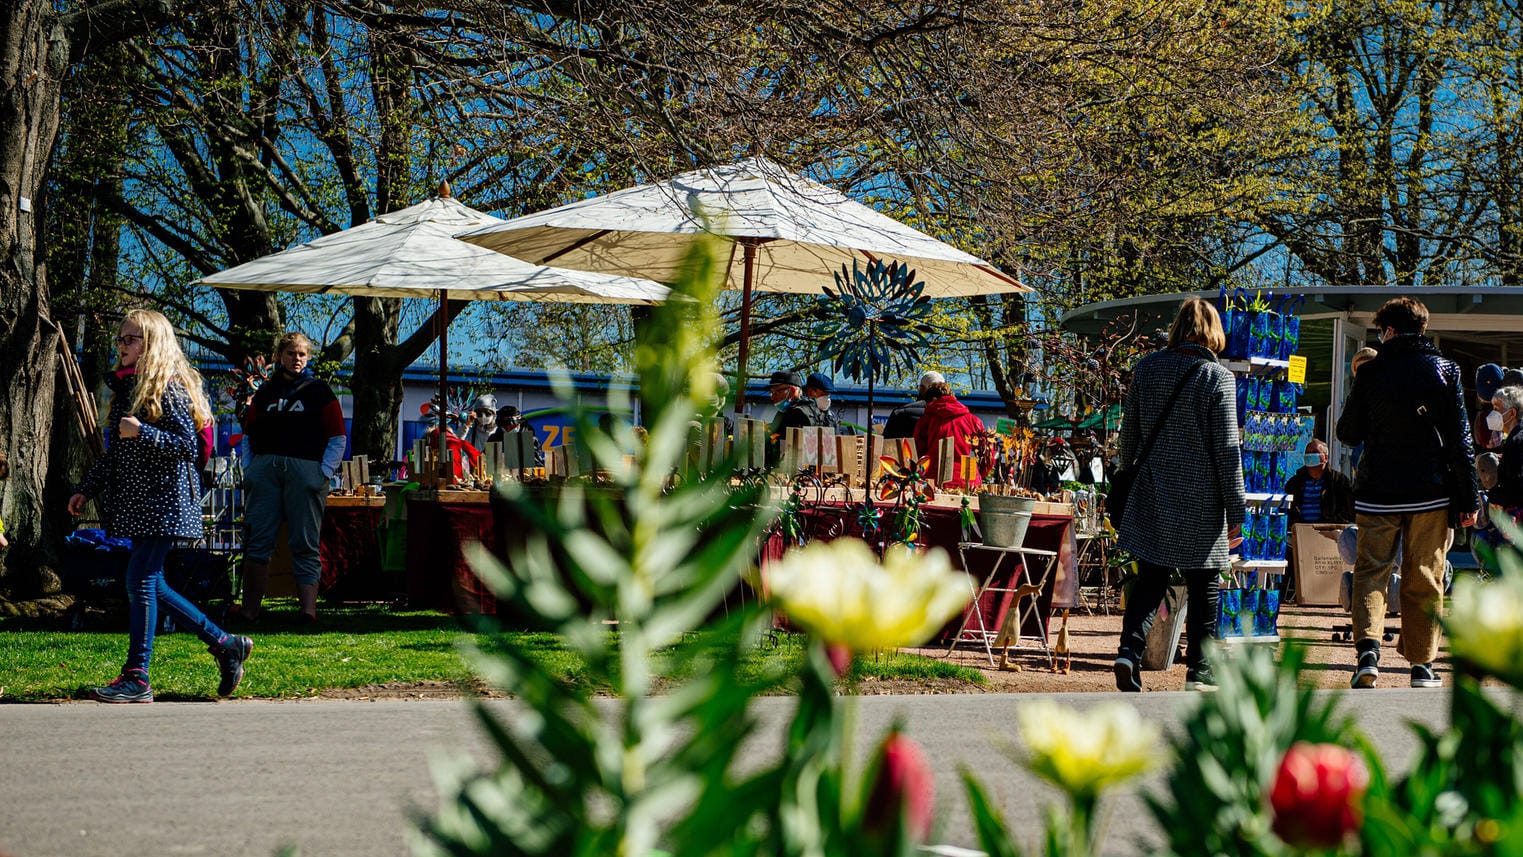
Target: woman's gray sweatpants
[(280, 488)]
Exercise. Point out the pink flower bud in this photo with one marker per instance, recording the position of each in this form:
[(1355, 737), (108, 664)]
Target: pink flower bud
[(840, 658), (902, 791), (1317, 793)]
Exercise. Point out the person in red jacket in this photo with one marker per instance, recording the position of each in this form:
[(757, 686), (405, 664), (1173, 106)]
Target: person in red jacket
[(946, 417)]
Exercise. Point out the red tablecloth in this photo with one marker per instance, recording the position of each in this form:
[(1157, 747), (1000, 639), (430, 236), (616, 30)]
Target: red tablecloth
[(943, 529), (351, 554), (438, 575)]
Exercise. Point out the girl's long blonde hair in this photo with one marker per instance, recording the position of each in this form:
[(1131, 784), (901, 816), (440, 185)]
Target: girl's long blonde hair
[(161, 364)]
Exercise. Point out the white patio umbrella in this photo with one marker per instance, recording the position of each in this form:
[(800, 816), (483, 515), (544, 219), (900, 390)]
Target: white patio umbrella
[(411, 253), (793, 234)]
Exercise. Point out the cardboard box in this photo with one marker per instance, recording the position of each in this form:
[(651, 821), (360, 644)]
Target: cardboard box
[(1319, 568)]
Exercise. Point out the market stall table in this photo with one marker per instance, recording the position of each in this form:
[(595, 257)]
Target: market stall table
[(440, 526), (1051, 529), (349, 548)]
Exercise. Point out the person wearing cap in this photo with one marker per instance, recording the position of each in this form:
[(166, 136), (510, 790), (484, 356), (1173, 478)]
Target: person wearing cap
[(786, 390), (817, 390), (901, 421), (520, 444), (482, 421), (1488, 379)]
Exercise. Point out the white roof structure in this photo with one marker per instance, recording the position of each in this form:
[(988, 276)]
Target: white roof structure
[(411, 254), (802, 231)]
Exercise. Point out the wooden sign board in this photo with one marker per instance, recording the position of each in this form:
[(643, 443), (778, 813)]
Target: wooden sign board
[(792, 457), (828, 458), (946, 459), (849, 456), (1319, 568)]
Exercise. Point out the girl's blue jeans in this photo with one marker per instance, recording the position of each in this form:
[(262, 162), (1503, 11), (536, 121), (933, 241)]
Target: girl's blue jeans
[(147, 591)]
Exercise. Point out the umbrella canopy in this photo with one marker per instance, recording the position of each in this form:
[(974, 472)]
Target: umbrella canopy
[(411, 254), (1063, 423), (1109, 419), (793, 235), (802, 232)]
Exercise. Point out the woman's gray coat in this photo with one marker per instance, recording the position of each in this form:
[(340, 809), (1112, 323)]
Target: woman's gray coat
[(1189, 492)]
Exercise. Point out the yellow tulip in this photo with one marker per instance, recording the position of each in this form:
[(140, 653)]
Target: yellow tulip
[(1084, 752), (840, 593), (1485, 626)]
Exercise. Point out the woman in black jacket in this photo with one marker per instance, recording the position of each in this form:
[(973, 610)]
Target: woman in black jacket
[(1187, 499)]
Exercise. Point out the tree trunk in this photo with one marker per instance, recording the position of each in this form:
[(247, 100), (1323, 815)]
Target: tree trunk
[(37, 48), (33, 60), (377, 385)]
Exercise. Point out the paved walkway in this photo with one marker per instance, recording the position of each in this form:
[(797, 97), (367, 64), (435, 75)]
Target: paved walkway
[(340, 778)]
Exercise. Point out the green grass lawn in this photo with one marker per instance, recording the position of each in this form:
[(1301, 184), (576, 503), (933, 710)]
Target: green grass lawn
[(355, 647)]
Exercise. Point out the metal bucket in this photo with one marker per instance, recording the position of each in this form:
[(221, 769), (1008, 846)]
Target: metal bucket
[(1005, 505), (1003, 529)]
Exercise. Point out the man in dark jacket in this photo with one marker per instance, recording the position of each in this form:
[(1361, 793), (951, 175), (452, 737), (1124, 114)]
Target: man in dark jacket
[(1408, 409), (901, 421), (1319, 494), (786, 390)]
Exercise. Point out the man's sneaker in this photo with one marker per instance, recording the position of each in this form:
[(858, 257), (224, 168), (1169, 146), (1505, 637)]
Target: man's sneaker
[(1202, 680), (1368, 671), (1422, 676), (130, 686), (1128, 675), (230, 657)]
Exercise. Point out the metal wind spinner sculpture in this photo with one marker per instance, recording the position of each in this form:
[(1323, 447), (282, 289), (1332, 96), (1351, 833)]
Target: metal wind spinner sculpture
[(876, 328)]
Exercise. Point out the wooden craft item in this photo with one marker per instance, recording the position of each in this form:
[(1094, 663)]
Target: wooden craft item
[(792, 457), (946, 459), (491, 454), (967, 469), (825, 449), (849, 456), (760, 437), (718, 445)]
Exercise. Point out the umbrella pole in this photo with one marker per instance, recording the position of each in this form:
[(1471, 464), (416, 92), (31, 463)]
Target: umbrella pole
[(446, 470), (745, 327), (867, 471)]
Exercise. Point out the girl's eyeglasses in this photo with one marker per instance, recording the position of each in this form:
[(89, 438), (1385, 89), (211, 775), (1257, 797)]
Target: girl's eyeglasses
[(127, 339)]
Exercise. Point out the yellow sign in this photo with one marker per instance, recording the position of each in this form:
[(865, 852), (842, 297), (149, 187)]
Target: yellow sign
[(1297, 373)]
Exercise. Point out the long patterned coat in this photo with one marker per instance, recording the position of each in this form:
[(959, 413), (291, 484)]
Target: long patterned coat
[(1189, 493), (148, 485)]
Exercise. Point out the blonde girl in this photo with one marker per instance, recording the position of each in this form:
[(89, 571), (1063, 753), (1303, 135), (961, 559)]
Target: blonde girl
[(149, 491)]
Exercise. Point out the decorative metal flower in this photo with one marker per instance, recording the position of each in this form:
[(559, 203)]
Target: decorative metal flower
[(906, 482), (457, 406), (247, 381), (877, 312)]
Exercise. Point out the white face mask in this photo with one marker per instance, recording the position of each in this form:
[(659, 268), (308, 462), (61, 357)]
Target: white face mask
[(1495, 422), (823, 402)]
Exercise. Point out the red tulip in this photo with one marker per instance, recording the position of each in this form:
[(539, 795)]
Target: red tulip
[(840, 658), (1317, 794), (902, 791)]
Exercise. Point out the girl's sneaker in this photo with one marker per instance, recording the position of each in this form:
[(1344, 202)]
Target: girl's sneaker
[(130, 686), (230, 657)]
